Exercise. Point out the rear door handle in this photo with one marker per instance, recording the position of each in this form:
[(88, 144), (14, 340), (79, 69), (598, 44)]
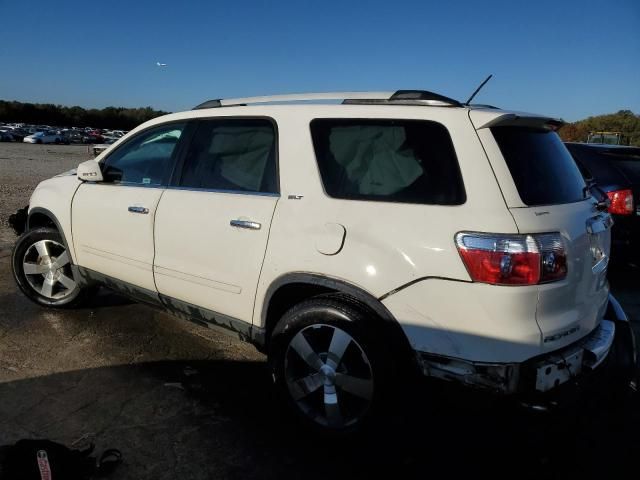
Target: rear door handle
[(245, 224), (137, 209)]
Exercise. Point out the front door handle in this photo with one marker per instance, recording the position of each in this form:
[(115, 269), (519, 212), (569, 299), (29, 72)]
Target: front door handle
[(137, 209), (245, 224)]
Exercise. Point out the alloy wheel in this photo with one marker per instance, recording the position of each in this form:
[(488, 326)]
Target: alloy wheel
[(47, 268), (329, 376)]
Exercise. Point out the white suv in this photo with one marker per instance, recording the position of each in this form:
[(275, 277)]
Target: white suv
[(350, 241)]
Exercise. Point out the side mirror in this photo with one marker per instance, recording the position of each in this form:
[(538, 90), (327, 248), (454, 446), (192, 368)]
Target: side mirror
[(89, 171)]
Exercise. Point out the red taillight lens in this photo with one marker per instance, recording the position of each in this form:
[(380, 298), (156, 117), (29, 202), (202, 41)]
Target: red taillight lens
[(621, 202), (513, 259)]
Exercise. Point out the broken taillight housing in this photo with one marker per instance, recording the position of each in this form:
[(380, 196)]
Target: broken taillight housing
[(505, 259), (621, 202)]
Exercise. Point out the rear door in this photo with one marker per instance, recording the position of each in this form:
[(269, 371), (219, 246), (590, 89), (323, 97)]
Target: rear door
[(212, 224), (545, 192)]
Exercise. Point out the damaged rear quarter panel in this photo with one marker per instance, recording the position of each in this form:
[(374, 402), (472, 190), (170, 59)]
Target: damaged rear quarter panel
[(470, 321)]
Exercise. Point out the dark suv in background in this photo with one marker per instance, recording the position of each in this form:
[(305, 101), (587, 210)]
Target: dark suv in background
[(616, 170)]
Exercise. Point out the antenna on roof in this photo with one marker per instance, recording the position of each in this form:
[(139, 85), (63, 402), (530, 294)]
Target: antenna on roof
[(473, 95)]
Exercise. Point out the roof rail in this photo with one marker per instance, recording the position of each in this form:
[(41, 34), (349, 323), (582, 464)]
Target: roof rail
[(482, 105), (208, 104), (423, 95), (401, 97)]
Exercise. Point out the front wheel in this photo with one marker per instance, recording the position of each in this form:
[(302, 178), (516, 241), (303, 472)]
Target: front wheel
[(42, 269), (329, 365)]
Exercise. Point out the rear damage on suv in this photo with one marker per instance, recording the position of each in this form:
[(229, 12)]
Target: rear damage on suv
[(551, 274)]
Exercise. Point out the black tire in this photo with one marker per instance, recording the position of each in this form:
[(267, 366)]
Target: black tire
[(38, 141), (331, 407), (49, 286)]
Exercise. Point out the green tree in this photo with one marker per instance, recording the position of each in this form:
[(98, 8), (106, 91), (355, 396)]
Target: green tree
[(624, 121), (61, 116)]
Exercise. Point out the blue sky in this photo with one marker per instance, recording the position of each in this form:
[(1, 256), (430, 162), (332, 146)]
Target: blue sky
[(566, 58)]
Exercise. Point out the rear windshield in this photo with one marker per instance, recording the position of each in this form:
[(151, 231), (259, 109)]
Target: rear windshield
[(408, 161), (542, 168)]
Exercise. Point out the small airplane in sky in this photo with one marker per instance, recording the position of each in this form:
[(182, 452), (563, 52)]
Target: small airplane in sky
[(161, 64)]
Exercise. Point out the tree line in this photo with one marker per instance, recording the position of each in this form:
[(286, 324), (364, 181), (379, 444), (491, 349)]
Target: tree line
[(116, 118), (624, 121)]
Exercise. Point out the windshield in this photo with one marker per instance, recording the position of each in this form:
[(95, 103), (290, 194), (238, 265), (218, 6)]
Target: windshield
[(542, 168)]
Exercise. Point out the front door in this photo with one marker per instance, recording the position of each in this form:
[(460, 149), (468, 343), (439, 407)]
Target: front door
[(212, 225), (112, 221)]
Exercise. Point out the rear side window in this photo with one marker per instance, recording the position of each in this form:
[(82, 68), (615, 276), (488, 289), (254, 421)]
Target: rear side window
[(542, 168), (409, 161), (232, 154)]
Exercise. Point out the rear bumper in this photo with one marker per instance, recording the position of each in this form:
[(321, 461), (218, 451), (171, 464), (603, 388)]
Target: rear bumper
[(545, 373)]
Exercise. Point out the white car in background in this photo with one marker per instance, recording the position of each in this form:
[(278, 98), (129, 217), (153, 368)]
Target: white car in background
[(45, 137)]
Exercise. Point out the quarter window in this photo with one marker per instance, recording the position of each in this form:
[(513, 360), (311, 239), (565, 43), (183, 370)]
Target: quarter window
[(409, 161), (232, 154), (542, 168), (145, 159)]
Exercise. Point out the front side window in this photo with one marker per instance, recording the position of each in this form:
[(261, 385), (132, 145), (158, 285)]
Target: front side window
[(409, 161), (232, 154), (146, 159)]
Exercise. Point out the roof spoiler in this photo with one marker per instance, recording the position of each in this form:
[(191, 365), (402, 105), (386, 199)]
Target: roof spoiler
[(491, 118)]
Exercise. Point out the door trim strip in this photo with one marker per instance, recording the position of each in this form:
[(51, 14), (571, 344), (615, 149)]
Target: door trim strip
[(203, 281)]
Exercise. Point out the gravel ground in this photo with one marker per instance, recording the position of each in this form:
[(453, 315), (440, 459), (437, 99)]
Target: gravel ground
[(23, 166), (183, 402)]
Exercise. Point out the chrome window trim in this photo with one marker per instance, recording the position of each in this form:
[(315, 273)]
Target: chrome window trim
[(126, 184), (215, 190)]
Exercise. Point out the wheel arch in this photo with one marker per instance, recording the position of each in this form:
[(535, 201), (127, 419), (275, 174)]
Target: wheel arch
[(292, 288), (40, 217)]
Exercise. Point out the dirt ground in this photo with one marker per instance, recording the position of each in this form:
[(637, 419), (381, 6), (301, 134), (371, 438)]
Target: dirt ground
[(183, 402)]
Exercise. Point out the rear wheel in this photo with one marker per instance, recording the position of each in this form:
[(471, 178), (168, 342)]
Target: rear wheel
[(42, 269), (329, 366)]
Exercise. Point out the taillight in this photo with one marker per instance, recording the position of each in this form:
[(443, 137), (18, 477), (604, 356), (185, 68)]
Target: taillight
[(501, 259), (621, 202)]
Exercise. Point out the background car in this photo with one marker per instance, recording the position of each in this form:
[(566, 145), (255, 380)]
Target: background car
[(92, 138), (73, 136), (45, 137), (6, 136), (18, 134), (616, 170)]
